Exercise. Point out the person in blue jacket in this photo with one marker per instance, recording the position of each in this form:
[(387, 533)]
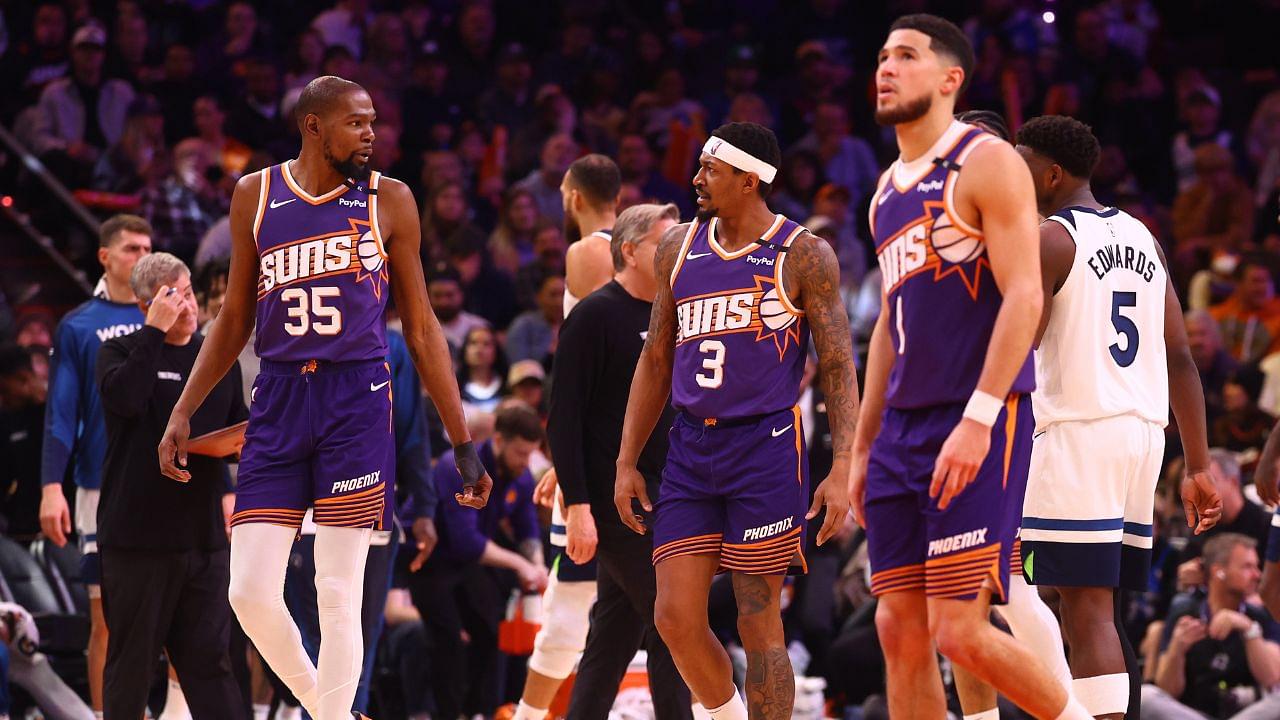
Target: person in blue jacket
[(74, 433), (462, 586)]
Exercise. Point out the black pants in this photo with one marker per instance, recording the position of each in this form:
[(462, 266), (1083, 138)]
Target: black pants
[(622, 623), (466, 678), (176, 601)]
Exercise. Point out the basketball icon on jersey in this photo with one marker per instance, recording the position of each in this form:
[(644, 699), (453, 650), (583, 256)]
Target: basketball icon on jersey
[(952, 244), (773, 314), (372, 257)]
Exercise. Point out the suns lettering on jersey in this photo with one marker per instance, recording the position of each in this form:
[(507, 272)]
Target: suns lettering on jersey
[(912, 252), (743, 310), (335, 253)]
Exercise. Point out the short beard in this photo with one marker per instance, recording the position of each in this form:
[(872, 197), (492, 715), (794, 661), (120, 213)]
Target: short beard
[(572, 231), (705, 215), (348, 168), (909, 111)]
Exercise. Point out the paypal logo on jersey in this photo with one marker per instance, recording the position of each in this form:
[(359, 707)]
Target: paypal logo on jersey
[(115, 331), (931, 186), (351, 203), (760, 260)]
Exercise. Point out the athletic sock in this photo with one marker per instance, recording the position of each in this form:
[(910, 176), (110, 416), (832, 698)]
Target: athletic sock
[(733, 709), (699, 712), (992, 714), (525, 711), (261, 711), (1103, 694)]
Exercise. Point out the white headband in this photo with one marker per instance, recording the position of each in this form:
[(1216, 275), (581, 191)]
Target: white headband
[(721, 149)]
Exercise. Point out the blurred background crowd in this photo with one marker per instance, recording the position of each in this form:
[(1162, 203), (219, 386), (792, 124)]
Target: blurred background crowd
[(157, 107)]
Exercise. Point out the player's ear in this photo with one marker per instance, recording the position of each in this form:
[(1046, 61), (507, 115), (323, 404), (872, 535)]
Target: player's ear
[(311, 124), (953, 80), (749, 182)]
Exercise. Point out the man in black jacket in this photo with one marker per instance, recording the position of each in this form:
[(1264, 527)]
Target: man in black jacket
[(165, 563), (599, 346)]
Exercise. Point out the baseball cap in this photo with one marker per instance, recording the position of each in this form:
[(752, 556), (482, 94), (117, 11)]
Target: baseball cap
[(89, 35), (525, 370)]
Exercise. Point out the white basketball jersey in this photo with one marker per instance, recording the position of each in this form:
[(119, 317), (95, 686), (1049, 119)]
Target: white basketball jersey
[(1103, 351)]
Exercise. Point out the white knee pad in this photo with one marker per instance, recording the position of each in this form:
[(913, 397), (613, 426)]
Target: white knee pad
[(566, 616), (1034, 625), (1103, 694)]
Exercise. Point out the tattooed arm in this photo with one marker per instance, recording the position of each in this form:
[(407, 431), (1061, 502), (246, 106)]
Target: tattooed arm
[(812, 269), (651, 384)]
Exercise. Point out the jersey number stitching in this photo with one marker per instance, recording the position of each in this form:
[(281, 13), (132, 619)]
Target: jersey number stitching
[(303, 306), (1124, 326)]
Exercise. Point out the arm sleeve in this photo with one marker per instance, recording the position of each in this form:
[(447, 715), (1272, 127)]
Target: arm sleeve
[(127, 375), (413, 443), (463, 525), (62, 413), (524, 517), (574, 376)]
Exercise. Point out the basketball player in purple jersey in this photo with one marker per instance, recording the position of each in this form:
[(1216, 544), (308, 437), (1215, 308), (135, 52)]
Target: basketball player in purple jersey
[(727, 340), (955, 228), (318, 243)]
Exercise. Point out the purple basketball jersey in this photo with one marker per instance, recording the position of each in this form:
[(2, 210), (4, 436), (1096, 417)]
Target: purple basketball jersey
[(322, 281), (740, 342), (943, 299)]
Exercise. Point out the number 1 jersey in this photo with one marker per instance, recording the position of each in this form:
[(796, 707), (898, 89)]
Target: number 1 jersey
[(1103, 351), (322, 271)]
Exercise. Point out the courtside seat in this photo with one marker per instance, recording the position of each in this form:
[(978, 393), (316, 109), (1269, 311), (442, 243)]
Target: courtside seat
[(23, 581), (62, 568)]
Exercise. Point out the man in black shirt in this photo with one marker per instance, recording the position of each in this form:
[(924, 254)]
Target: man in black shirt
[(599, 345), (22, 401), (165, 563)]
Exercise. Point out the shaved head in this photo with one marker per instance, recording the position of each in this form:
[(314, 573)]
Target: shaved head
[(321, 95)]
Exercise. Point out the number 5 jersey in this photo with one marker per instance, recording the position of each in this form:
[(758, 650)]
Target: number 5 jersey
[(323, 280)]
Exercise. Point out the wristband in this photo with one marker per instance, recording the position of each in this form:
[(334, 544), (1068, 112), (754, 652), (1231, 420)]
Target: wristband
[(983, 408), (1254, 632), (468, 464)]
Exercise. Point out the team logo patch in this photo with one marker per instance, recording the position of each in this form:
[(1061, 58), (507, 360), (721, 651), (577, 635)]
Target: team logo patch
[(758, 309)]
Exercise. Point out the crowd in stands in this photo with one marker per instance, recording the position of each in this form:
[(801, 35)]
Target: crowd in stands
[(157, 108)]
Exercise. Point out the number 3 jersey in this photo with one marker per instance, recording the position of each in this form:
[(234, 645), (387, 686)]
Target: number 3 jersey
[(322, 280), (942, 297), (1103, 351), (740, 342)]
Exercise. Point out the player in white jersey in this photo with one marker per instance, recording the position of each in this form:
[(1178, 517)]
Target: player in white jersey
[(590, 194), (1111, 359)]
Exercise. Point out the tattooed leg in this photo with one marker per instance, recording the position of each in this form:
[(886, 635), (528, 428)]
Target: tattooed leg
[(770, 681)]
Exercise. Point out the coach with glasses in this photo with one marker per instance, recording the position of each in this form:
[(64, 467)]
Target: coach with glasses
[(165, 562)]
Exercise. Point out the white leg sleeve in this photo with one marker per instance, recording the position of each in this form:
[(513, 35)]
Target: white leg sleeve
[(340, 560), (259, 556), (566, 616), (1034, 625)]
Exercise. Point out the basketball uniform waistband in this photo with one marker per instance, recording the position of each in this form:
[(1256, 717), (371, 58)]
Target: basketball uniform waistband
[(321, 367), (721, 422)]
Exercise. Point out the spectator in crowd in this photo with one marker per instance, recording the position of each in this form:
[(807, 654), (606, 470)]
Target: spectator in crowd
[(1214, 214), (227, 51), (255, 116), (1243, 426), (80, 116), (177, 91), (548, 258), (444, 290), (544, 183), (532, 335), (1201, 111), (801, 176), (463, 586), (429, 103), (34, 330), (304, 60), (1263, 147), (490, 293), (1219, 651), (511, 244), (741, 76), (387, 62), (165, 580), (833, 202), (187, 202), (510, 102), (482, 371), (22, 403), (129, 59), (1214, 363), (231, 156), (33, 62), (846, 160), (74, 428), (344, 25), (131, 164), (527, 382), (635, 161), (446, 221), (1250, 318)]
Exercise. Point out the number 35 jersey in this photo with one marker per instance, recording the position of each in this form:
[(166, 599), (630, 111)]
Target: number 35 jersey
[(1103, 351), (740, 342), (322, 271)]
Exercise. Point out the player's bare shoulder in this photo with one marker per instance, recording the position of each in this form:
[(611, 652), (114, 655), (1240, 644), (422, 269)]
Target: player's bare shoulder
[(669, 248), (990, 172)]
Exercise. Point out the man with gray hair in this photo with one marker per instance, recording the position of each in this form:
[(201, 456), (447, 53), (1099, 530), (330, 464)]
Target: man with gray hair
[(1239, 515), (165, 563), (600, 343), (1204, 339)]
